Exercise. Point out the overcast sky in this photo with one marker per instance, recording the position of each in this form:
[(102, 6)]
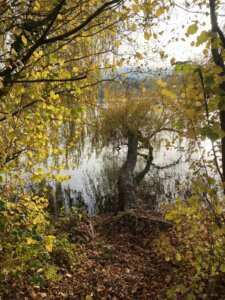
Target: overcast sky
[(175, 27)]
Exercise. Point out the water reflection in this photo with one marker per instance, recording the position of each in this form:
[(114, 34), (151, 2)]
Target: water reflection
[(93, 178), (93, 183)]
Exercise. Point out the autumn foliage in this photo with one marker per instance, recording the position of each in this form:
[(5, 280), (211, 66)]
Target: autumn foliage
[(53, 57)]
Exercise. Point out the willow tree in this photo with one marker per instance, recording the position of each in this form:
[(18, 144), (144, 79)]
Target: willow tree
[(133, 120)]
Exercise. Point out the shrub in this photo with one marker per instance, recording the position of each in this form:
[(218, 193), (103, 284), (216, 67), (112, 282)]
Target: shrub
[(195, 248), (25, 246)]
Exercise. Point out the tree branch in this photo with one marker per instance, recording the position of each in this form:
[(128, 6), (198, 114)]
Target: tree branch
[(81, 26), (47, 80), (214, 23), (15, 113), (140, 176), (208, 122)]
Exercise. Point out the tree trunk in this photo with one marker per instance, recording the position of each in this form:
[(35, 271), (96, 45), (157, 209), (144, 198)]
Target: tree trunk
[(140, 176), (222, 123), (218, 60), (127, 188)]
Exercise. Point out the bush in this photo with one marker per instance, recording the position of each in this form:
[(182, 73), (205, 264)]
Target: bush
[(196, 248), (27, 244)]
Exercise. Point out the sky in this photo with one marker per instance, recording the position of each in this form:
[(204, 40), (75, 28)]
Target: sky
[(175, 27)]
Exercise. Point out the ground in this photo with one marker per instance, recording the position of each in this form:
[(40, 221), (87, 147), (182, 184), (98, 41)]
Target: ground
[(119, 261)]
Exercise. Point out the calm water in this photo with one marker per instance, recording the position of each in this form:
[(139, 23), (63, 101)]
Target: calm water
[(93, 181)]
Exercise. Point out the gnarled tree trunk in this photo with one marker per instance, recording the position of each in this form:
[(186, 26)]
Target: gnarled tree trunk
[(127, 188), (128, 181)]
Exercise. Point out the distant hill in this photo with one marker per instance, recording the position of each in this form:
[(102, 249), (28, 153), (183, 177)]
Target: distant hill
[(136, 73)]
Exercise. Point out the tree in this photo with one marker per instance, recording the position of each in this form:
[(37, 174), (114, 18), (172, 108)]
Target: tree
[(208, 73), (199, 221), (52, 54), (217, 50), (133, 118)]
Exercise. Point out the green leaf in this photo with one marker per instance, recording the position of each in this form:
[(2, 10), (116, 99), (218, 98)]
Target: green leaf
[(191, 113), (2, 223), (184, 68), (222, 268), (68, 85), (190, 296), (3, 206), (209, 80), (181, 288), (35, 235), (208, 132), (202, 38), (192, 29), (171, 294), (37, 280)]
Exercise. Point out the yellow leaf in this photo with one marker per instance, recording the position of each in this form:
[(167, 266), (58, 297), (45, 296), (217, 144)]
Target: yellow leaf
[(138, 55), (75, 69), (14, 52), (167, 258), (36, 220), (20, 181), (135, 8), (161, 83), (192, 29), (49, 242), (36, 6), (24, 40), (159, 11), (17, 31), (191, 113), (178, 257), (219, 209), (30, 241), (1, 85), (147, 36), (117, 43), (133, 27)]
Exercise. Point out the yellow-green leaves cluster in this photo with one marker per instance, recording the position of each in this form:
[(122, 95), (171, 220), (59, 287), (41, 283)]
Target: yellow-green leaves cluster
[(196, 249), (29, 243), (24, 242)]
